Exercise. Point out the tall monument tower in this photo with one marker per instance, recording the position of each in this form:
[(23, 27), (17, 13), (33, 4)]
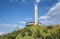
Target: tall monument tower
[(35, 17), (36, 13)]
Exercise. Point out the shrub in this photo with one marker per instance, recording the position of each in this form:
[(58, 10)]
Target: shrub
[(49, 27)]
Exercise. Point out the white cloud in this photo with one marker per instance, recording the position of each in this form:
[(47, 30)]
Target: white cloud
[(53, 15), (2, 33), (28, 18), (22, 22), (8, 25), (14, 26), (43, 17), (23, 0), (37, 1), (55, 9)]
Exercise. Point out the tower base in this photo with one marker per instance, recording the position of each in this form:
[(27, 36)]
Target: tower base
[(32, 23)]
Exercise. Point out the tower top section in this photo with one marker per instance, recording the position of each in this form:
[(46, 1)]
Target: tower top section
[(36, 13), (36, 4)]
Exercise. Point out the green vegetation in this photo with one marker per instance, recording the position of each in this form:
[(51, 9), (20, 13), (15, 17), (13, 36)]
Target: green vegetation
[(35, 32)]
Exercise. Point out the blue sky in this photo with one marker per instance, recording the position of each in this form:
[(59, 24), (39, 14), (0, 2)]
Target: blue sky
[(15, 13)]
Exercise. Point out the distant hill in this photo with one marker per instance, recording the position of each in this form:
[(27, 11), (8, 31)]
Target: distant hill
[(35, 32)]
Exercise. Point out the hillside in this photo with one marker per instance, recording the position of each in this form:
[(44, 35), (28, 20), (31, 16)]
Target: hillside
[(35, 32)]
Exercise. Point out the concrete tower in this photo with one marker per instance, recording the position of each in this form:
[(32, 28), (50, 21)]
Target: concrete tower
[(36, 16), (36, 13)]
